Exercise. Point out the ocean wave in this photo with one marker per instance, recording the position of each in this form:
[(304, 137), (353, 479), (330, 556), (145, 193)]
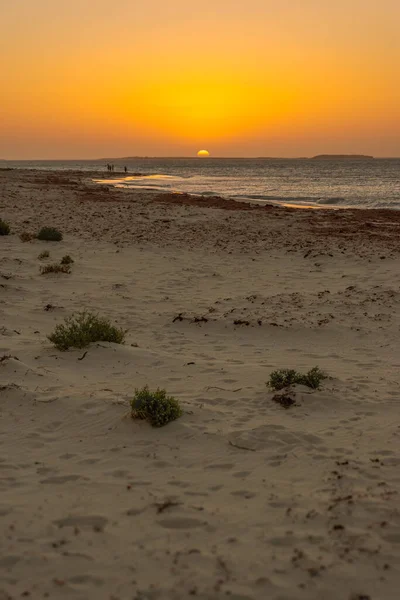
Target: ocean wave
[(147, 185), (274, 198)]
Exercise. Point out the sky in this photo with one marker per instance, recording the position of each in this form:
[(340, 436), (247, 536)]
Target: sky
[(95, 78)]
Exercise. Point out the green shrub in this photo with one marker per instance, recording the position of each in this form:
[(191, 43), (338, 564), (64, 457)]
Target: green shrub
[(83, 328), (155, 407), (44, 255), (4, 228), (283, 378), (55, 268), (50, 234), (67, 260), (313, 378)]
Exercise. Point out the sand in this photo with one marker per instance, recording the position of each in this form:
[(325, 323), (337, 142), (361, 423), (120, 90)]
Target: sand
[(240, 498)]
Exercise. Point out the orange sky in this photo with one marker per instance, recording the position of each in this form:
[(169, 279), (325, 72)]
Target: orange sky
[(94, 78)]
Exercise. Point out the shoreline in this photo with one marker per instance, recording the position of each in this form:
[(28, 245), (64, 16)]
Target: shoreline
[(358, 231), (119, 176)]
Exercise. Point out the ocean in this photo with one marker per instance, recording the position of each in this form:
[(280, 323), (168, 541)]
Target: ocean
[(299, 182)]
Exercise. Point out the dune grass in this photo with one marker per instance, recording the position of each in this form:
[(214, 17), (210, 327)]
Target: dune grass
[(155, 407), (55, 268), (84, 328), (50, 234), (283, 378), (4, 228), (67, 260)]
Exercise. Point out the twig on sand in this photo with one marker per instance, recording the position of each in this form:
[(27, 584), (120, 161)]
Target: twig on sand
[(161, 506), (242, 447), (212, 387), (83, 356), (50, 401)]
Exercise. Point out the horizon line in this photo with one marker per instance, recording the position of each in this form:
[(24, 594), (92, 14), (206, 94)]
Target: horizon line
[(155, 157)]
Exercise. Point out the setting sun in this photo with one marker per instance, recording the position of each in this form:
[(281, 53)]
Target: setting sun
[(203, 153)]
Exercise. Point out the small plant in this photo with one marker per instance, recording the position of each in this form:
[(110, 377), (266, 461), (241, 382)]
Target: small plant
[(283, 378), (313, 378), (84, 328), (55, 268), (44, 255), (26, 237), (67, 260), (4, 228), (155, 407), (50, 234)]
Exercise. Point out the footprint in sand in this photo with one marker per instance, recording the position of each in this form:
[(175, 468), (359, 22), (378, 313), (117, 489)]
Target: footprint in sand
[(91, 521), (61, 479), (181, 523)]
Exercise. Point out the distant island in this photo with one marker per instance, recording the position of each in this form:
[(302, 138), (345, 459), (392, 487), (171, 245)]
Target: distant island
[(342, 157)]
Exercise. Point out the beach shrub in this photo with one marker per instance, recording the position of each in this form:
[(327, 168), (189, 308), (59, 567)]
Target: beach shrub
[(283, 378), (55, 268), (44, 255), (313, 378), (26, 237), (155, 407), (84, 328), (4, 228), (50, 234), (67, 260)]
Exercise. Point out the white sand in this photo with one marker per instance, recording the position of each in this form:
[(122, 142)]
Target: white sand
[(264, 503)]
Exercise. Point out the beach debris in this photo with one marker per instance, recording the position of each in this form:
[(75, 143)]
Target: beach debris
[(163, 506), (199, 320), (6, 357), (286, 400), (242, 447), (25, 236), (180, 317), (213, 387)]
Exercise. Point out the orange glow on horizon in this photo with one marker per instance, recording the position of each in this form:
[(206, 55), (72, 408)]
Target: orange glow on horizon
[(294, 81)]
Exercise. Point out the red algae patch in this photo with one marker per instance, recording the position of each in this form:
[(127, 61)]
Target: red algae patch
[(208, 202)]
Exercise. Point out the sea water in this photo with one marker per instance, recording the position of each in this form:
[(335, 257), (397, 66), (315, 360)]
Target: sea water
[(302, 182)]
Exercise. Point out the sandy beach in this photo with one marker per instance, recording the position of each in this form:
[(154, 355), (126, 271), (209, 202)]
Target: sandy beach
[(239, 498)]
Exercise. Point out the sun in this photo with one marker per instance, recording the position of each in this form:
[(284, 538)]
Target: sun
[(203, 153)]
